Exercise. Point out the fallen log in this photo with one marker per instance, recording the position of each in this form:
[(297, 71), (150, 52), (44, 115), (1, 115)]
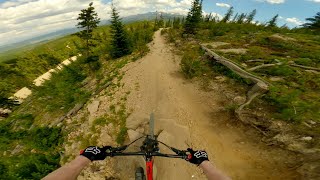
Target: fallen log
[(256, 60), (234, 67), (261, 86), (264, 66), (74, 110), (305, 67), (101, 88)]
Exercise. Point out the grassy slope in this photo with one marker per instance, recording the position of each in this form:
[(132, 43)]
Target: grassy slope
[(29, 149), (38, 48), (296, 97)]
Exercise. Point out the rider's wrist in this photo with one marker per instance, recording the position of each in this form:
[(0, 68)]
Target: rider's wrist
[(203, 163), (83, 159)]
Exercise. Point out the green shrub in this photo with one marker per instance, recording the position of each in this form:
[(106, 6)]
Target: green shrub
[(217, 31), (3, 171), (45, 138), (292, 104), (282, 70), (100, 121), (35, 166), (164, 31), (23, 120), (219, 68), (121, 137), (63, 90), (304, 62), (191, 64)]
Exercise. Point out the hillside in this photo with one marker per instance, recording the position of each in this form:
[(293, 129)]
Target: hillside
[(287, 114), (247, 93), (33, 136), (11, 51)]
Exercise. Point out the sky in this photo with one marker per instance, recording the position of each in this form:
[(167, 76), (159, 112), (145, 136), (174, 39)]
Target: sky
[(24, 19)]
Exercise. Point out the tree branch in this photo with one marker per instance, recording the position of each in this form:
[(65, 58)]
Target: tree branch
[(265, 65)]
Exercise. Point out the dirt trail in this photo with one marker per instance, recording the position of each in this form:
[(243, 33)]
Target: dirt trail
[(192, 117)]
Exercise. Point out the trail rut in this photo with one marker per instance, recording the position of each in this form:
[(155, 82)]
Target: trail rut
[(191, 117)]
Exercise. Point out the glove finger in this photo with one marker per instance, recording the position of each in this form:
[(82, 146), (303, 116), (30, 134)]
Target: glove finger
[(191, 150), (104, 148)]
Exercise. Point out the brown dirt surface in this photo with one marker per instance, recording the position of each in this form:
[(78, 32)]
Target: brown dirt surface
[(191, 117)]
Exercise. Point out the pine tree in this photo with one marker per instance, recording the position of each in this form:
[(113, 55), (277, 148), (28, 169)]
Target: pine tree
[(241, 18), (208, 17), (235, 18), (160, 23), (314, 22), (285, 26), (168, 23), (228, 15), (88, 21), (251, 16), (155, 28), (120, 42), (273, 21), (176, 23), (215, 19), (194, 17)]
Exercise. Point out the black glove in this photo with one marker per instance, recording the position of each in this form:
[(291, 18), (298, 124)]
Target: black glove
[(95, 153), (197, 157)]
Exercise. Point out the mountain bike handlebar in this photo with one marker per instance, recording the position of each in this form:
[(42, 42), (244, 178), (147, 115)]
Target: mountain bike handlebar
[(149, 149), (146, 154)]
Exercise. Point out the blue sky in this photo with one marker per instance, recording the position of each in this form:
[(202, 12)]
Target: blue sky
[(24, 19), (300, 9)]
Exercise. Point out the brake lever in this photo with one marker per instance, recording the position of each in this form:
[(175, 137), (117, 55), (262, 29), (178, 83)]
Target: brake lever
[(119, 149), (110, 150), (183, 153)]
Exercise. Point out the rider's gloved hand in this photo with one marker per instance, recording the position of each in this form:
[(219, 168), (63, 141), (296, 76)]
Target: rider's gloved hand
[(197, 157), (95, 153)]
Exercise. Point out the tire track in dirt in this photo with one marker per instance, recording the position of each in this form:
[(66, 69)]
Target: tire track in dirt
[(191, 117)]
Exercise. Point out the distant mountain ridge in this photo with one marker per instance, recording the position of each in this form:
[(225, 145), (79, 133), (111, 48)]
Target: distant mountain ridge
[(63, 32), (38, 39)]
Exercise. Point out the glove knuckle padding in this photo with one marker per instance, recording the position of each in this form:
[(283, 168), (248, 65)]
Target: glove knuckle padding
[(197, 157), (94, 153)]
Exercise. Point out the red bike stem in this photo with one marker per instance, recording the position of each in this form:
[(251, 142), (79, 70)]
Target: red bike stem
[(149, 165)]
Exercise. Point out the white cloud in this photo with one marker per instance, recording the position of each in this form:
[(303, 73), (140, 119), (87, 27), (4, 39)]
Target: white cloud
[(316, 1), (23, 19), (294, 21), (273, 1), (223, 5)]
